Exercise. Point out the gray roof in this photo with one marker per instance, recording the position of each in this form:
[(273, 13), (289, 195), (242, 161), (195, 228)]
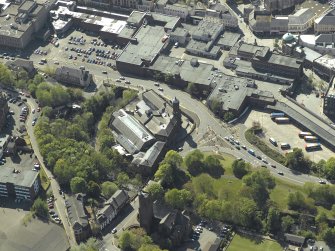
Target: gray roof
[(328, 19), (62, 72), (295, 238), (279, 23), (229, 39), (27, 65), (284, 60), (135, 17), (302, 16), (148, 46), (325, 38), (149, 158), (180, 32), (201, 74), (24, 178), (207, 28), (76, 212), (112, 205), (253, 49), (130, 133)]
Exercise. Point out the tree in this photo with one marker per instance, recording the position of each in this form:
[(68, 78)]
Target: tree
[(203, 184), (173, 158), (108, 188), (194, 162), (328, 236), (273, 222), (122, 179), (93, 189), (228, 116), (296, 201), (155, 190), (90, 245), (240, 168), (78, 185), (287, 223), (192, 89), (215, 105), (178, 198), (125, 240), (164, 174), (330, 168), (150, 247), (295, 160), (40, 208), (213, 166)]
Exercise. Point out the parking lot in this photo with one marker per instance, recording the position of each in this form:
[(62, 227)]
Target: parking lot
[(37, 235), (284, 133)]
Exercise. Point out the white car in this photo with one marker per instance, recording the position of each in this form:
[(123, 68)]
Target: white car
[(114, 230), (33, 111), (160, 89), (122, 78)]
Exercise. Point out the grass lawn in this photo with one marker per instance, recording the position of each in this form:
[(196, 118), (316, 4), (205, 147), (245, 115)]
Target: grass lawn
[(45, 182), (240, 243), (225, 159)]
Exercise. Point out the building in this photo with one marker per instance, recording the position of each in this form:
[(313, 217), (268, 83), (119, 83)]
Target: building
[(325, 67), (301, 21), (130, 133), (280, 5), (180, 35), (72, 76), (4, 139), (112, 207), (204, 37), (228, 40), (22, 64), (295, 240), (234, 94), (144, 162), (22, 21), (325, 23), (248, 51), (178, 10), (77, 217), (19, 184), (329, 105), (110, 5), (3, 111), (170, 224)]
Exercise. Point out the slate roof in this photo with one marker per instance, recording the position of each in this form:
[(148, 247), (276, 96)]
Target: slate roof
[(302, 16), (76, 213), (150, 156), (325, 38), (295, 238)]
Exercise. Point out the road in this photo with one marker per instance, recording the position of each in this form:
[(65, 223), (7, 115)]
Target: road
[(59, 201)]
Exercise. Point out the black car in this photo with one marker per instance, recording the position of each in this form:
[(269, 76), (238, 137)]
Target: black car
[(19, 104)]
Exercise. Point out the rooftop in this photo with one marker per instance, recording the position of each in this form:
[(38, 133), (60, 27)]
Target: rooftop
[(200, 73), (150, 156), (76, 212), (302, 16), (229, 39), (208, 28), (24, 178), (327, 61), (327, 19), (284, 60), (253, 49), (149, 44)]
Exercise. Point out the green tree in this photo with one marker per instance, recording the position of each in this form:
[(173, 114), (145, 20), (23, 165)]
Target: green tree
[(192, 89), (164, 174), (78, 185), (93, 189), (155, 190), (47, 111), (122, 179), (108, 188), (296, 160), (228, 116), (330, 168), (273, 223), (287, 223), (178, 198), (213, 166), (194, 162), (125, 240), (40, 208), (328, 235), (203, 184), (90, 245), (240, 168)]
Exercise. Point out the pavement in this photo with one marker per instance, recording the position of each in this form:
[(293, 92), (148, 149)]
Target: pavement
[(36, 236)]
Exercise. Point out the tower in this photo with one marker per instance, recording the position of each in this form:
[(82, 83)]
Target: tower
[(176, 109), (145, 211)]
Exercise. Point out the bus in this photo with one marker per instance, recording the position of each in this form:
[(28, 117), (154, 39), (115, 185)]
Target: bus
[(282, 120), (303, 134), (273, 141), (311, 139), (313, 146), (285, 146), (274, 115)]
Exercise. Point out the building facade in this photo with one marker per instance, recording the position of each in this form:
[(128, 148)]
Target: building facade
[(3, 111), (71, 76), (329, 105), (19, 184), (325, 23)]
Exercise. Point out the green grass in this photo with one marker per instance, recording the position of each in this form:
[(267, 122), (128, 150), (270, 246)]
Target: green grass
[(225, 159), (45, 182), (261, 145), (240, 243)]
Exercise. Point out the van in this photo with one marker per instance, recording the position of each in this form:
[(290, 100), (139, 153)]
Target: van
[(82, 67)]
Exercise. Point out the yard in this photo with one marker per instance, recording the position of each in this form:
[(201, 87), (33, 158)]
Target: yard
[(253, 244)]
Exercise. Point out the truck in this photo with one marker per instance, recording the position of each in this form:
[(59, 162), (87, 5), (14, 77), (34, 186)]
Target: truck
[(312, 146), (282, 120), (303, 134), (311, 139), (274, 115)]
